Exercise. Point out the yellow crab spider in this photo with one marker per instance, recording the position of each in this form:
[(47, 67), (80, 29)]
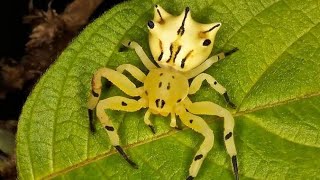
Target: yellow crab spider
[(180, 46)]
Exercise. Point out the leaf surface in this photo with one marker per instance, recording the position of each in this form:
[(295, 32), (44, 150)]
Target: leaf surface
[(274, 79)]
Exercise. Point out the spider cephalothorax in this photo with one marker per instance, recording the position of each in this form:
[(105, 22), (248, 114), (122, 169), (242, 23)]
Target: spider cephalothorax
[(181, 48)]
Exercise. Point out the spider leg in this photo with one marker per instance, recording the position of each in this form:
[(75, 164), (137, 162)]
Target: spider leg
[(148, 122), (173, 122), (134, 71), (210, 108), (142, 55), (121, 104), (208, 63), (197, 82), (116, 78), (198, 124)]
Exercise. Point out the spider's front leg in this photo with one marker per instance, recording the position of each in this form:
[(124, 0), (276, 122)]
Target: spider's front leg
[(115, 103), (121, 104), (116, 78), (197, 82), (208, 63), (142, 55)]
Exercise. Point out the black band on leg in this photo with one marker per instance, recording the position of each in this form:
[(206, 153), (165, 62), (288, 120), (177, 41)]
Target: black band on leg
[(228, 53), (125, 156), (91, 122), (190, 178), (152, 129), (122, 48), (226, 97), (235, 167), (94, 93)]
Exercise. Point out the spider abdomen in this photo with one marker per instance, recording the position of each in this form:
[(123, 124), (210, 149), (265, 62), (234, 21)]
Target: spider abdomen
[(165, 88)]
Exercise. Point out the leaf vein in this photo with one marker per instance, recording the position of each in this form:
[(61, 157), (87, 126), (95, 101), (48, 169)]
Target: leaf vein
[(265, 73)]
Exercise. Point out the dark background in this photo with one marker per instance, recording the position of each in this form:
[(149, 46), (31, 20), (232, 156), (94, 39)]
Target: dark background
[(14, 35)]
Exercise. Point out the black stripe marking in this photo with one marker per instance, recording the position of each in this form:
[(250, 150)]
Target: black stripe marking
[(226, 97), (160, 56), (235, 166), (162, 103), (160, 84), (171, 51), (228, 136), (125, 156), (161, 74), (231, 51), (182, 62), (179, 100), (152, 128), (94, 93), (175, 55), (181, 29), (158, 11), (91, 122), (200, 156), (185, 58), (168, 86), (215, 82), (109, 128), (157, 102), (212, 28), (190, 178), (124, 103), (190, 121)]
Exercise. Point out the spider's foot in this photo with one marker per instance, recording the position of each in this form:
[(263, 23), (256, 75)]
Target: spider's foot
[(122, 48), (228, 53), (235, 167), (178, 128), (152, 129), (91, 124), (190, 178), (226, 97), (125, 156), (233, 106), (126, 43)]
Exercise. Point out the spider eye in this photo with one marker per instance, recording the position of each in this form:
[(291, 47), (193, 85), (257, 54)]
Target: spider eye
[(206, 42), (150, 24)]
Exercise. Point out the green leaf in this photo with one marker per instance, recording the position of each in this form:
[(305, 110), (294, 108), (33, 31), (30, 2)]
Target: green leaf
[(274, 79)]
